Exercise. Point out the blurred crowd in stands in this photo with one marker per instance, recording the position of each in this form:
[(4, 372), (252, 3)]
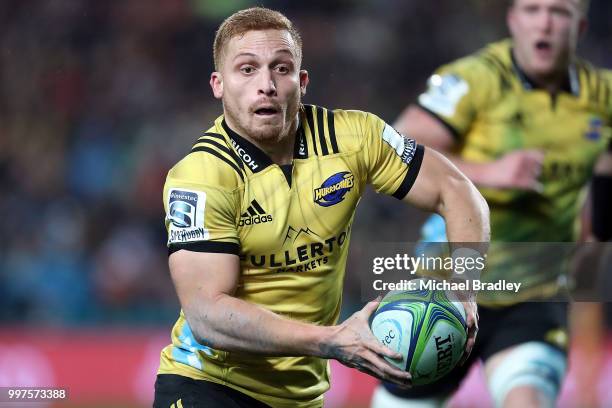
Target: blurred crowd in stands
[(99, 98)]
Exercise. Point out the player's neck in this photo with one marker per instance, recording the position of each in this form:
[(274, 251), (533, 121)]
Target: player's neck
[(553, 82), (279, 149)]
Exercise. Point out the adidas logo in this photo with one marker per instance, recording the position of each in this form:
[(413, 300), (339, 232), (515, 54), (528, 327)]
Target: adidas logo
[(254, 215)]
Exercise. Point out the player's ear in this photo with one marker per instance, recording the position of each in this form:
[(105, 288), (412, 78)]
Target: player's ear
[(583, 27), (216, 83), (510, 19), (303, 81)]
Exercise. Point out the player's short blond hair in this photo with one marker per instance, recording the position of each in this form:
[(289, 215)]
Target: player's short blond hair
[(255, 18), (583, 5)]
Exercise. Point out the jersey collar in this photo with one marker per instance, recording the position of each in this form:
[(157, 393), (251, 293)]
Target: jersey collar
[(300, 149), (571, 84), (253, 157)]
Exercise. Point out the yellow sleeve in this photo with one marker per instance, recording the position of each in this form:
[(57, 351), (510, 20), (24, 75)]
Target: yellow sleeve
[(201, 213), (608, 96), (456, 92), (392, 161)]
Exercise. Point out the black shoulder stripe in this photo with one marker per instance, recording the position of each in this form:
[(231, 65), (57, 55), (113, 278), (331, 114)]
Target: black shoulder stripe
[(332, 131), (587, 80), (598, 85), (223, 148), (216, 135), (503, 67), (324, 149), (310, 120), (587, 74), (220, 156), (496, 65)]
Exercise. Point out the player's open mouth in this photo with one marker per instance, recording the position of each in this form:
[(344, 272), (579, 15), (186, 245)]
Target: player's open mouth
[(543, 46), (266, 111)]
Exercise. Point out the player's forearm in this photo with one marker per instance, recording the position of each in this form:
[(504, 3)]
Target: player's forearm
[(465, 211), (479, 173), (466, 214), (232, 324)]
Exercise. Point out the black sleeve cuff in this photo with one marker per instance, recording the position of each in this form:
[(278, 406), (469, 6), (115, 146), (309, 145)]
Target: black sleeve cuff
[(601, 201), (451, 129), (411, 174), (215, 247)]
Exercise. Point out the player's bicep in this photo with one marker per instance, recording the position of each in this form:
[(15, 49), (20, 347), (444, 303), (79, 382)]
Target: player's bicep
[(200, 277), (436, 172), (427, 130)]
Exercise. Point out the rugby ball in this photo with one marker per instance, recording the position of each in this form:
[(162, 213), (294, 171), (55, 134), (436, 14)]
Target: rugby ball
[(427, 327)]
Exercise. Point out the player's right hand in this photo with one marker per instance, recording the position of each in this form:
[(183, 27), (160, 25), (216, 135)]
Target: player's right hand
[(519, 169), (353, 344)]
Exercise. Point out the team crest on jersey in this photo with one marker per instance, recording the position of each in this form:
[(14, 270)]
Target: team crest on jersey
[(333, 190), (595, 129)]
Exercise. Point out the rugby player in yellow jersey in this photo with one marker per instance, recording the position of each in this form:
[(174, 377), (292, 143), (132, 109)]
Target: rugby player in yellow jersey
[(259, 216), (525, 120)]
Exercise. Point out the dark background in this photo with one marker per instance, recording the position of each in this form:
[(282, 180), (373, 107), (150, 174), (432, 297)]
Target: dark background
[(98, 99)]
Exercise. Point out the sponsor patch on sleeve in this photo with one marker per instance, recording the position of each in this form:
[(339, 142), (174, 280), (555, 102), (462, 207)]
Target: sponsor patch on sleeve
[(403, 146), (185, 217), (444, 93)]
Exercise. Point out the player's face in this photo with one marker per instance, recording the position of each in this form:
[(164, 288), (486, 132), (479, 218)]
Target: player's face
[(260, 84), (545, 34)]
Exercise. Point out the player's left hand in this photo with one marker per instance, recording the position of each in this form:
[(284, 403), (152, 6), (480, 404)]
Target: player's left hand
[(471, 311), (353, 344)]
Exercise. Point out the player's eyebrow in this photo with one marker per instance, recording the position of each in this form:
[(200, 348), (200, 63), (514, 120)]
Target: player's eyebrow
[(253, 55), (245, 54), (285, 51)]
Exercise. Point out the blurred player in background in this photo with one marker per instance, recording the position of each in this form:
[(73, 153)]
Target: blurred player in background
[(259, 216), (525, 120)]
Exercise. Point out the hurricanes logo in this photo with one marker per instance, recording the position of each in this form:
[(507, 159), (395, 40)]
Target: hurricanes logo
[(595, 129), (333, 190)]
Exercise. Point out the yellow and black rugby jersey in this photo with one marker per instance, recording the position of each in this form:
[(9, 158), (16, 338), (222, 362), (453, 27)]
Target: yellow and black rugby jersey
[(290, 225), (492, 108)]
